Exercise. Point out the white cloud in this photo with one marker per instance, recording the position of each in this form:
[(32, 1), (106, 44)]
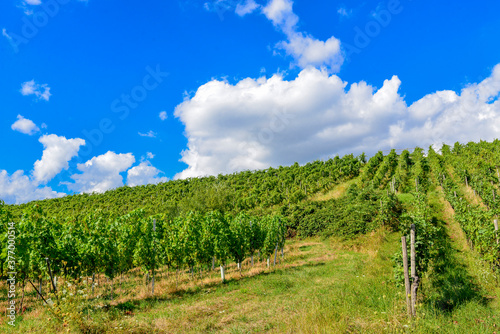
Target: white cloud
[(446, 116), (149, 134), (247, 8), (343, 12), (309, 51), (163, 115), (42, 92), (101, 173), (25, 126), (258, 123), (33, 2), (305, 49), (280, 12), (268, 122), (6, 35), (143, 174), (58, 151), (18, 188), (150, 155)]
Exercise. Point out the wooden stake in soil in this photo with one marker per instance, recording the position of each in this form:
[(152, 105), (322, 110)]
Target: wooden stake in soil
[(415, 279), (407, 278), (222, 273), (496, 228), (154, 257), (40, 285), (50, 273)]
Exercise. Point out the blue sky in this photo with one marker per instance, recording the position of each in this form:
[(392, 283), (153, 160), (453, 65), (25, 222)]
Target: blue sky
[(98, 94)]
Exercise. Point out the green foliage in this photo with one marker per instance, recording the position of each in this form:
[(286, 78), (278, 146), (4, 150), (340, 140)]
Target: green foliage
[(359, 211), (426, 236), (402, 175), (371, 167), (232, 193)]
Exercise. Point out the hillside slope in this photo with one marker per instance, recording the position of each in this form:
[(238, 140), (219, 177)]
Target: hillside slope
[(341, 274)]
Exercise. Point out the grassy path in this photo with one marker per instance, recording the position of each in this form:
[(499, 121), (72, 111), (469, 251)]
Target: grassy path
[(337, 288), (460, 293)]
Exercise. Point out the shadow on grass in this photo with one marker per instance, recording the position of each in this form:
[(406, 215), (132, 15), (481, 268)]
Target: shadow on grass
[(450, 283)]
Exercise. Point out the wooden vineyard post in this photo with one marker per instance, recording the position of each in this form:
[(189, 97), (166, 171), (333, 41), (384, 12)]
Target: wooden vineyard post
[(415, 279), (407, 278), (466, 183), (222, 273), (154, 257), (496, 228), (50, 273)]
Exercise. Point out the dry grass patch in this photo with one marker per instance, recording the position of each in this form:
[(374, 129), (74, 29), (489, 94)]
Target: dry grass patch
[(336, 192)]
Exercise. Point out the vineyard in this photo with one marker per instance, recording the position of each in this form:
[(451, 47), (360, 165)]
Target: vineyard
[(80, 258)]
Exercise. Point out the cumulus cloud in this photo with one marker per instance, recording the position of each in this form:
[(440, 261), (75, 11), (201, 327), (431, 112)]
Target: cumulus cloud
[(163, 115), (25, 126), (42, 92), (301, 46), (446, 116), (264, 122), (18, 188), (149, 134), (309, 51), (101, 173), (144, 174), (304, 48), (58, 151), (268, 122), (248, 7)]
